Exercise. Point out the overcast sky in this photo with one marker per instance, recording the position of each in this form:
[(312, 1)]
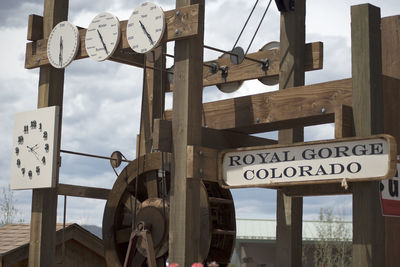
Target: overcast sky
[(102, 100)]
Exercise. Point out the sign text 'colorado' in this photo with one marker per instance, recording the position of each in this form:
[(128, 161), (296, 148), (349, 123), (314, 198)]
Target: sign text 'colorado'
[(315, 162)]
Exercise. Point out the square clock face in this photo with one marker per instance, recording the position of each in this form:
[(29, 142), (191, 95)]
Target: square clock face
[(34, 154)]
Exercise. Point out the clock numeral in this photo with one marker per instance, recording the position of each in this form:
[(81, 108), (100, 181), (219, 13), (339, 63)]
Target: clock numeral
[(130, 38), (143, 50), (158, 30), (18, 162), (46, 147), (20, 139), (16, 150), (158, 17), (144, 4), (23, 171), (135, 12), (37, 170), (62, 25), (143, 16), (26, 129), (153, 7), (45, 135), (30, 174), (40, 126), (33, 124), (44, 160), (130, 24)]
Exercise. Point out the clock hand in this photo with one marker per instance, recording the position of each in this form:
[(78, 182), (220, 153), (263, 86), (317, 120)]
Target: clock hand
[(101, 39), (145, 31), (60, 59)]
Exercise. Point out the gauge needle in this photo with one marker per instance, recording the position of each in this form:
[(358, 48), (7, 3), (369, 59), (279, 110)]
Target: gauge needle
[(32, 149), (60, 59), (102, 41), (145, 31)]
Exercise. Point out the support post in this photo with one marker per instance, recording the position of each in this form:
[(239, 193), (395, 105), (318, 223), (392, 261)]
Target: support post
[(368, 222), (186, 128), (290, 209), (42, 247)]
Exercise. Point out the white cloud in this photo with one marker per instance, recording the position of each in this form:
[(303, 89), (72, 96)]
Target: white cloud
[(102, 100)]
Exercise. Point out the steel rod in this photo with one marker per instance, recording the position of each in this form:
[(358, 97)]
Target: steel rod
[(90, 155), (230, 53)]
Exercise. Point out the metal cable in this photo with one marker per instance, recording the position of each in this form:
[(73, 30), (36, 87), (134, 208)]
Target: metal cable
[(258, 27), (245, 24)]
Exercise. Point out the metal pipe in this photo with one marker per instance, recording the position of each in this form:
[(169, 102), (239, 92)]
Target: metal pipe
[(90, 155)]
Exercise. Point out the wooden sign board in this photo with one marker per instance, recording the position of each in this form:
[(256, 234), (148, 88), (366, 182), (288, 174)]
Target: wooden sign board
[(356, 159), (390, 194)]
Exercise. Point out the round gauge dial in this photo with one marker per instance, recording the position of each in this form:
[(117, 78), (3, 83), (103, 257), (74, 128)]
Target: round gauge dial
[(102, 36), (63, 44), (145, 27)]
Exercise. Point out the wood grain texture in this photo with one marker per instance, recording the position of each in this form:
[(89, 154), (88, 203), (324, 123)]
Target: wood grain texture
[(368, 222), (184, 227), (289, 210), (303, 106), (83, 191), (186, 23), (344, 125), (42, 246), (212, 138), (35, 28), (390, 28)]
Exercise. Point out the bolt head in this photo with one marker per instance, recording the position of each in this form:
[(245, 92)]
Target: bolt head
[(176, 31)]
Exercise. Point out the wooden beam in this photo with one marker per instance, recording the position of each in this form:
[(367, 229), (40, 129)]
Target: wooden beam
[(44, 201), (390, 28), (184, 217), (83, 191), (303, 106), (212, 138), (186, 23), (35, 27), (315, 190), (289, 214), (344, 125), (248, 69), (368, 222)]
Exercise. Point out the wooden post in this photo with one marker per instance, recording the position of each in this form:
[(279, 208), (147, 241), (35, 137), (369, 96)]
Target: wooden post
[(290, 209), (391, 74), (44, 201), (368, 222), (184, 224)]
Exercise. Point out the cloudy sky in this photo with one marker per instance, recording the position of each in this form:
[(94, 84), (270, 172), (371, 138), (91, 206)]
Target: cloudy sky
[(102, 100)]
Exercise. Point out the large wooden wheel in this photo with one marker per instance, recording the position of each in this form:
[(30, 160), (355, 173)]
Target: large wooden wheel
[(218, 227)]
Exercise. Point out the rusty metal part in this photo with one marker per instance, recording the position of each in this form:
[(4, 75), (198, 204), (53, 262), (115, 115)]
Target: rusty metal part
[(217, 215)]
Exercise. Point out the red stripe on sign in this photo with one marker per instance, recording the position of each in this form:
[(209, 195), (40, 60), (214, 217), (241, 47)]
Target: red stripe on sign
[(390, 207)]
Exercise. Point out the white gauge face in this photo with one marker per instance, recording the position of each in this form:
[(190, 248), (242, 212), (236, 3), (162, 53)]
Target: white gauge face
[(102, 36), (145, 27), (63, 44), (34, 149)]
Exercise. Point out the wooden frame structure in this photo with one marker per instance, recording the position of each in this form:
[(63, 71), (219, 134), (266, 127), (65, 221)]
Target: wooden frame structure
[(363, 105)]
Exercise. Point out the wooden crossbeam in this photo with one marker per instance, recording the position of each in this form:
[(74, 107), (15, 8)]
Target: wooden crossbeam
[(217, 139), (180, 26), (83, 191), (293, 107), (248, 69)]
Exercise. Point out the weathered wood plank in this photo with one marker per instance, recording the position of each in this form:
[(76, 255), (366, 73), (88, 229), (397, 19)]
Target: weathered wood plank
[(184, 227), (390, 28), (344, 125), (35, 28), (294, 107), (248, 69), (289, 211), (368, 222), (316, 190), (212, 138), (186, 23), (44, 201), (83, 191)]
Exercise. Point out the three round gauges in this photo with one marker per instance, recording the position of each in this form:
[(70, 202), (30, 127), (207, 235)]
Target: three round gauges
[(144, 31)]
